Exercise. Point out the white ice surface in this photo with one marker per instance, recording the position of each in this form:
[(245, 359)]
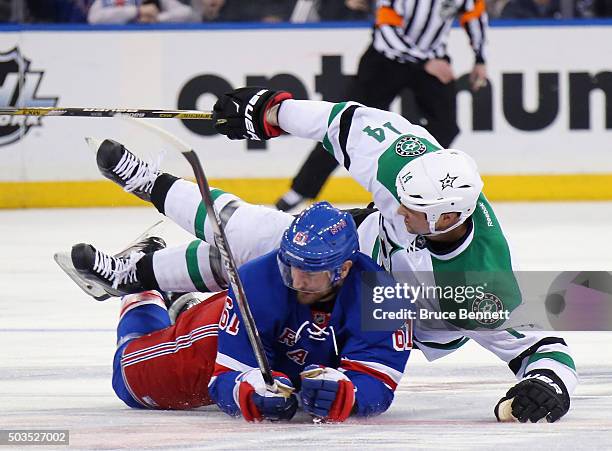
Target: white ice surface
[(56, 347)]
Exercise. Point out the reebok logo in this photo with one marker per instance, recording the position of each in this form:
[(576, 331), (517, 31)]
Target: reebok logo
[(485, 212)]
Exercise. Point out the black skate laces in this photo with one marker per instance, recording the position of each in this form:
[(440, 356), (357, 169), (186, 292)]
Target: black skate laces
[(117, 270), (144, 173)]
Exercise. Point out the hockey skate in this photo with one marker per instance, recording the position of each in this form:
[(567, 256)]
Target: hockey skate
[(289, 201), (118, 164), (96, 273)]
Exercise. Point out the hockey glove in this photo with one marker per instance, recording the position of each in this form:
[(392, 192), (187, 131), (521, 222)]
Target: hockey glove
[(258, 403), (327, 393), (241, 114), (541, 394)]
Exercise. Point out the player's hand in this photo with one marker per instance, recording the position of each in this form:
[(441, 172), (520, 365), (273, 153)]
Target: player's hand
[(358, 5), (258, 403), (147, 13), (327, 393), (441, 69), (241, 114), (541, 394), (478, 77)]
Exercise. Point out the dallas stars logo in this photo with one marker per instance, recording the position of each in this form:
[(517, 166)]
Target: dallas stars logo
[(487, 303), (448, 181), (410, 146)]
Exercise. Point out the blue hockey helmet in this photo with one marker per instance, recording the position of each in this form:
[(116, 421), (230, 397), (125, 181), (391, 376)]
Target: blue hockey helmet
[(319, 240)]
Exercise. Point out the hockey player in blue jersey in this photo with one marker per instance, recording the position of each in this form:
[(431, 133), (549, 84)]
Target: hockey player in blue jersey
[(305, 299)]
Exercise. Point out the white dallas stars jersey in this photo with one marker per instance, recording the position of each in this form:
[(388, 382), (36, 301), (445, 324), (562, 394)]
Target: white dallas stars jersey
[(374, 145)]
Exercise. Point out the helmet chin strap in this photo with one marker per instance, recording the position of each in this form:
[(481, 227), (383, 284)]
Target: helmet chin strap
[(433, 231)]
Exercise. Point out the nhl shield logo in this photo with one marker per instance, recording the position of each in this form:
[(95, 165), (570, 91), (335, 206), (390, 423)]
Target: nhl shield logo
[(410, 146), (18, 88)]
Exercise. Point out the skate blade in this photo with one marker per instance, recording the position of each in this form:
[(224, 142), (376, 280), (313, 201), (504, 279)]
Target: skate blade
[(91, 288), (156, 229), (93, 143)]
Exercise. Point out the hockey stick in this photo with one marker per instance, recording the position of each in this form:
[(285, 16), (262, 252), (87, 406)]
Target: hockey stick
[(225, 251), (109, 112)]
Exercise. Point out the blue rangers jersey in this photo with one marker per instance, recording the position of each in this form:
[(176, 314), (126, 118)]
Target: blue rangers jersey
[(296, 335)]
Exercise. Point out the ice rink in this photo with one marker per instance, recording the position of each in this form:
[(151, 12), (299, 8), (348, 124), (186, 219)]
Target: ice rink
[(57, 345)]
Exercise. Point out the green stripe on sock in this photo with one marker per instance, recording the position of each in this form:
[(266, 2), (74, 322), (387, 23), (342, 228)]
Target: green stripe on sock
[(560, 357), (193, 266), (200, 218)]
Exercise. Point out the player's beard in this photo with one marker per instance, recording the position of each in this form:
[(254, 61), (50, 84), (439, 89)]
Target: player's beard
[(312, 298)]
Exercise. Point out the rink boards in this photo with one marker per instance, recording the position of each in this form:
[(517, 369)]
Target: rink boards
[(540, 130)]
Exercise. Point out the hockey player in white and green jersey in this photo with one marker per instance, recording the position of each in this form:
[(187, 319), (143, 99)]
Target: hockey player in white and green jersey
[(431, 218)]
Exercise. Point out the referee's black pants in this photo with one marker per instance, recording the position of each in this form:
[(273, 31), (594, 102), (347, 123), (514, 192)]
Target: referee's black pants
[(378, 81)]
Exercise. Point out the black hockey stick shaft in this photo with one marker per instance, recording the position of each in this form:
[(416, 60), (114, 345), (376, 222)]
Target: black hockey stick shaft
[(232, 270), (108, 112)]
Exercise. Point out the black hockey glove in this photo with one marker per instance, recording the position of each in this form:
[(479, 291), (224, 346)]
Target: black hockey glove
[(541, 394), (241, 114)]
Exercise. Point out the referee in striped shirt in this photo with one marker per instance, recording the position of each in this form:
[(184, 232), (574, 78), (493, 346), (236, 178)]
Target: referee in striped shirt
[(408, 50)]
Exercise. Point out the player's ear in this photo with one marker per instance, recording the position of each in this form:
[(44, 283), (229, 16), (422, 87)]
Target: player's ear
[(346, 267), (448, 219)]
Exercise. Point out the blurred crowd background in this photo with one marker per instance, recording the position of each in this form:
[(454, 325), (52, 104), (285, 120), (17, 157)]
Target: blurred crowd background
[(298, 11)]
